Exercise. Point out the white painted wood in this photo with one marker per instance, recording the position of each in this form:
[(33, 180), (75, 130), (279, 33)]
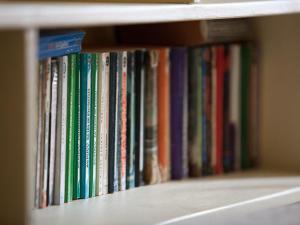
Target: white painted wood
[(162, 202), (54, 15)]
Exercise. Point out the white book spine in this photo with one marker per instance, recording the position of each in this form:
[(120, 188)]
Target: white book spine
[(105, 121), (54, 76), (234, 99), (59, 194)]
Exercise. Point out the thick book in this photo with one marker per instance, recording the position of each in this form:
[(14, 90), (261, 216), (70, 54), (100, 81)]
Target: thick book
[(61, 132), (112, 119), (206, 109), (234, 103), (53, 110), (245, 76), (123, 118), (70, 128), (151, 172), (139, 115), (130, 130), (163, 113), (76, 173), (93, 123), (45, 167), (85, 113), (103, 108), (54, 44), (179, 92), (195, 112)]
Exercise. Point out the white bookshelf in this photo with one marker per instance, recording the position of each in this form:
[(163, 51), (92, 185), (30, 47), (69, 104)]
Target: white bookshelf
[(276, 23)]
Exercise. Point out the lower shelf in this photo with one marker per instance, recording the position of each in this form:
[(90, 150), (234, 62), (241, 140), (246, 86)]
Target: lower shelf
[(163, 202)]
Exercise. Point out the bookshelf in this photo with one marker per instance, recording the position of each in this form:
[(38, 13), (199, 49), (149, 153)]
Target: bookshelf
[(277, 31)]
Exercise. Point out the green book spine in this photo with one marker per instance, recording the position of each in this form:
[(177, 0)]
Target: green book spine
[(70, 128), (94, 124), (245, 74), (76, 180)]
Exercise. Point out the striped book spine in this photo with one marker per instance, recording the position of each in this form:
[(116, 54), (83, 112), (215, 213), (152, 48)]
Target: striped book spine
[(85, 110), (94, 123), (70, 128)]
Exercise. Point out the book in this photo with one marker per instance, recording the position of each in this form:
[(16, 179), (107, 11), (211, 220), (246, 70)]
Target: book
[(245, 76), (54, 44), (123, 100), (61, 132), (112, 119), (195, 112), (93, 123), (130, 130), (45, 154), (53, 110), (70, 128), (85, 116), (163, 113), (103, 101), (139, 115), (151, 172), (206, 109), (179, 157), (234, 103), (77, 128), (213, 108)]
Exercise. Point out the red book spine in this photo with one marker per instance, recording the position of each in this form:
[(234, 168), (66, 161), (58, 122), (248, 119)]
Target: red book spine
[(219, 111)]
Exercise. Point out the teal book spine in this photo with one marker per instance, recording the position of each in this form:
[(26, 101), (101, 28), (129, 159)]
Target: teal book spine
[(85, 105), (70, 128), (76, 181), (94, 123)]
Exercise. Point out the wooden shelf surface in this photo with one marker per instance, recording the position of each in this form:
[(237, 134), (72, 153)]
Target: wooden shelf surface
[(57, 15), (164, 202)]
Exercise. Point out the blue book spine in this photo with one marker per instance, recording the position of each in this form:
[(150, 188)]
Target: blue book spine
[(85, 109)]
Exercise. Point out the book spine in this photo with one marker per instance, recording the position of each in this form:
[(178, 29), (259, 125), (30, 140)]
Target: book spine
[(195, 118), (70, 128), (213, 116), (245, 75), (112, 119), (220, 62), (47, 95), (178, 112), (93, 123), (151, 172), (85, 101), (40, 140), (106, 88), (118, 123), (53, 110), (60, 155), (122, 171), (77, 127), (139, 129), (130, 154), (163, 128)]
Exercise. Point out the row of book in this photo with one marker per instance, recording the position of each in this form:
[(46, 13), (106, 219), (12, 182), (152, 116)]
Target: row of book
[(113, 121)]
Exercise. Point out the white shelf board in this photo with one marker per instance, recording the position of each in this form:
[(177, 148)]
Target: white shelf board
[(162, 202), (55, 15)]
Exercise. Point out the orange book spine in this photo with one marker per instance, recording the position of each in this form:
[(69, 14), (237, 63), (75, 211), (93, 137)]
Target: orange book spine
[(163, 88)]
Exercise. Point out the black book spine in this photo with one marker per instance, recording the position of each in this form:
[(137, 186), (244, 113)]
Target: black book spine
[(112, 122)]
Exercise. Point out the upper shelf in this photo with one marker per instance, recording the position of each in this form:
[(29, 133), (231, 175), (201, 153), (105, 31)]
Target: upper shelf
[(55, 15)]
